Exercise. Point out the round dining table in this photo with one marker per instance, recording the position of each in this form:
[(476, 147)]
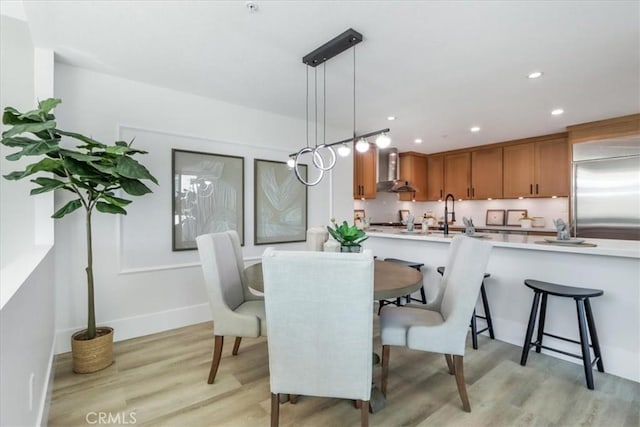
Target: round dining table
[(390, 280)]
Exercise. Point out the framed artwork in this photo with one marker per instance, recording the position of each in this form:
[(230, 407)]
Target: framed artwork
[(404, 214), (208, 196), (513, 215), (495, 217), (280, 203), (358, 216)]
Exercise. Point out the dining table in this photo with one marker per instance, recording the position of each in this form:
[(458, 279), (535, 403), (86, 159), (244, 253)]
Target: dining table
[(390, 280)]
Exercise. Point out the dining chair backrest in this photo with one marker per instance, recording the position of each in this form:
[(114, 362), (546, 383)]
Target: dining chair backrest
[(319, 307), (451, 255), (462, 279)]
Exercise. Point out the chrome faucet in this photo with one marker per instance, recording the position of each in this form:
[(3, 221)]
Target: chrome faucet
[(446, 212)]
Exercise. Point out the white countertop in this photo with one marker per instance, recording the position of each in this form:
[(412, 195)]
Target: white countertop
[(605, 247)]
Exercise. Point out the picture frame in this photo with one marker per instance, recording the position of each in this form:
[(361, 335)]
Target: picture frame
[(358, 216), (404, 215), (495, 217), (207, 196), (513, 216), (280, 203)]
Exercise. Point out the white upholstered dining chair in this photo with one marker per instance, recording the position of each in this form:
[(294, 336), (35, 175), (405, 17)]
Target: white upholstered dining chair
[(319, 307), (441, 326), (236, 311)]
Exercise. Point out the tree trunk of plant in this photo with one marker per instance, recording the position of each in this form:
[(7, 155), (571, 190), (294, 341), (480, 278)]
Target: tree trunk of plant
[(91, 322)]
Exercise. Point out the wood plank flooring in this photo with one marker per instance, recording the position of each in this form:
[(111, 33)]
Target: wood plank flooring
[(161, 380)]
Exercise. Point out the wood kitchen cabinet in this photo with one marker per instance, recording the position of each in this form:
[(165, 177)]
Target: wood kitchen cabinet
[(457, 175), (413, 169), (486, 173), (435, 178), (536, 169), (364, 173)]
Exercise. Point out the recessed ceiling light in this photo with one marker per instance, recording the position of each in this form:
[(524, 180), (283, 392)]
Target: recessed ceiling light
[(391, 118), (475, 129), (557, 111), (535, 75), (417, 141)]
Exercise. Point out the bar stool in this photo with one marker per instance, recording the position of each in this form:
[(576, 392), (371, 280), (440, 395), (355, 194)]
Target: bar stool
[(581, 296), (418, 266), (486, 317)]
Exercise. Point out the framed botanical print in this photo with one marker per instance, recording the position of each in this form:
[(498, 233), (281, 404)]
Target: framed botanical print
[(208, 196), (280, 203)]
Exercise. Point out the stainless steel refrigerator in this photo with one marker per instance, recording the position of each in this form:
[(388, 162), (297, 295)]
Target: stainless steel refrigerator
[(606, 189)]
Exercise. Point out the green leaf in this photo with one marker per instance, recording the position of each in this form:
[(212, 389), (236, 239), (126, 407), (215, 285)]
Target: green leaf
[(119, 149), (109, 208), (47, 165), (36, 149), (80, 156), (68, 208), (46, 184), (48, 104), (29, 127), (11, 116), (134, 187), (122, 143), (130, 168), (115, 200), (104, 168), (77, 167), (18, 141), (92, 143)]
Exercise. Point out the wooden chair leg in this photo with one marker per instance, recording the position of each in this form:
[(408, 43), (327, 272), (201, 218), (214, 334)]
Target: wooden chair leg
[(364, 413), (236, 346), (462, 388), (275, 409), (385, 370), (293, 399), (357, 404), (217, 354), (452, 370)]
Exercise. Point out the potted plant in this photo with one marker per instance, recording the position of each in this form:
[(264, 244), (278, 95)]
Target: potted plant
[(525, 221), (93, 172), (349, 236)]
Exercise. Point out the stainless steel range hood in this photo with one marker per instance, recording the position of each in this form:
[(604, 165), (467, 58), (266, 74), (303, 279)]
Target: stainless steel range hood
[(389, 171)]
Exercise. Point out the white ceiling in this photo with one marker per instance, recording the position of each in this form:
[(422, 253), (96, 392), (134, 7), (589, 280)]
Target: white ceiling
[(439, 66)]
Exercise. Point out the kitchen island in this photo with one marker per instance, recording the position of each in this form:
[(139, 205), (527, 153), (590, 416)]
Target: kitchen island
[(612, 265)]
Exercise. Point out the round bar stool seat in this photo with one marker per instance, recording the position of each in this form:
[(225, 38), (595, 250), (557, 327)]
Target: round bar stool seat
[(586, 324), (418, 266), (487, 313)]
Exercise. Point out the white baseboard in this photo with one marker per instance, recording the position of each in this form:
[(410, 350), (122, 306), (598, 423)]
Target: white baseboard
[(137, 326)]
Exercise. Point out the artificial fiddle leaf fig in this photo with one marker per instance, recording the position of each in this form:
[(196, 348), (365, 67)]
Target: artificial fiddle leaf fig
[(92, 172)]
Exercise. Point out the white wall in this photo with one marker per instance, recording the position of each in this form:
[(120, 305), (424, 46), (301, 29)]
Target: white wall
[(146, 294), (26, 232)]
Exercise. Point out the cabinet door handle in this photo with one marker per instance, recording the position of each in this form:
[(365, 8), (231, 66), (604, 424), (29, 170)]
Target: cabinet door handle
[(467, 191), (536, 188), (473, 192), (530, 188), (441, 193)]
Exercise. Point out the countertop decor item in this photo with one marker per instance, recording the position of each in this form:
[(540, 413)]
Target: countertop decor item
[(92, 171), (514, 215), (525, 221), (495, 217), (562, 229), (323, 155), (349, 236), (469, 229)]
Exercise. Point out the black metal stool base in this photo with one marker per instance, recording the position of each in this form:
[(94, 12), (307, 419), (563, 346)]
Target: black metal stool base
[(585, 321), (423, 297), (487, 314)]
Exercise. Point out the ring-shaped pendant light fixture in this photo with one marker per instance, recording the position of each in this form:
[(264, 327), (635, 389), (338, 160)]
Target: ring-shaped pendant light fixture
[(321, 55)]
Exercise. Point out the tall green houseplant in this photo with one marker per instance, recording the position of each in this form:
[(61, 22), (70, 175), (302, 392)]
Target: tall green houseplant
[(93, 172)]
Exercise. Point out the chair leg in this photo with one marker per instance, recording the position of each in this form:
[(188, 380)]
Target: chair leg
[(275, 409), (236, 346), (487, 312), (452, 370), (584, 343), (594, 335), (385, 370), (423, 295), (462, 388), (541, 320), (532, 321), (364, 413), (474, 330), (217, 354), (293, 399)]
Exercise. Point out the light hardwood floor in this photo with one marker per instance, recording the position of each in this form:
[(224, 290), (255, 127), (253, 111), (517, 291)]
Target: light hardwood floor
[(161, 379)]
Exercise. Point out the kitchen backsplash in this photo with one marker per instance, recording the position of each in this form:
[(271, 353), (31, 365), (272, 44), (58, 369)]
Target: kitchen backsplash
[(385, 208)]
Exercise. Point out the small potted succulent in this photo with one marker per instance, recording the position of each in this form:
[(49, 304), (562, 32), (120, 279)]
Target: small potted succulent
[(349, 236)]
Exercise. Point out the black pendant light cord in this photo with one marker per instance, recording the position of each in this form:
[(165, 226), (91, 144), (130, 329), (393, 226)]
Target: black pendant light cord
[(307, 108), (354, 94)]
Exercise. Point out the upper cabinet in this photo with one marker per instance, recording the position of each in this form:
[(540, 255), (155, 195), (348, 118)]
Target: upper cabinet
[(413, 169), (435, 178), (364, 173), (457, 175), (486, 173), (537, 169)]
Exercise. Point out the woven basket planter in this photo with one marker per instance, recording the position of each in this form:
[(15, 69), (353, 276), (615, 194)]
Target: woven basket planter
[(92, 355)]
